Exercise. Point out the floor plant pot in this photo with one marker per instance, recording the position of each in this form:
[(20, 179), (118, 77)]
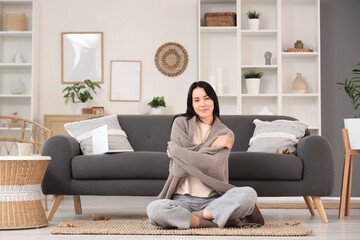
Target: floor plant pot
[(353, 127), (253, 85), (156, 110), (254, 23)]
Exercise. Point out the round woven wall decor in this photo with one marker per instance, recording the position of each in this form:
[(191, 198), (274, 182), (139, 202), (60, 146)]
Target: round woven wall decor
[(171, 59)]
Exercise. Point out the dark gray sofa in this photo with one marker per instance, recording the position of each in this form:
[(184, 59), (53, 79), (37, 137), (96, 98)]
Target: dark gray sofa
[(309, 173)]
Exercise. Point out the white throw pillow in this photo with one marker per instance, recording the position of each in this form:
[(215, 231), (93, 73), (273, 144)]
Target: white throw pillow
[(277, 135), (82, 132)]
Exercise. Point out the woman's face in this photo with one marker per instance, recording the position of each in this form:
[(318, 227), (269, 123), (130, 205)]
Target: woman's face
[(203, 105)]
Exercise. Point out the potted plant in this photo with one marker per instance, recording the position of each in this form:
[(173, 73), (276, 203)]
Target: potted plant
[(156, 105), (253, 81), (253, 19), (299, 44), (79, 93), (353, 124)]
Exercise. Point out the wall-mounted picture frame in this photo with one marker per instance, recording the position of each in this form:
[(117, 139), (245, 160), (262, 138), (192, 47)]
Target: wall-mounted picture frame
[(82, 57), (125, 81)]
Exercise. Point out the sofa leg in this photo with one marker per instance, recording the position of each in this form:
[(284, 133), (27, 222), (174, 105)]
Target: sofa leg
[(309, 204), (77, 204), (55, 204), (319, 206)]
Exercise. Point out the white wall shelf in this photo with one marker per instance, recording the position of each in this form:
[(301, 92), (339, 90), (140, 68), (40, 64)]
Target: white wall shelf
[(15, 33), (299, 54), (227, 95), (258, 32), (259, 95), (260, 66), (15, 65), (15, 96), (12, 43), (238, 49), (218, 29)]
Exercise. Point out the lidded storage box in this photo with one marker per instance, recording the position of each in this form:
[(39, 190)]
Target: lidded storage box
[(220, 19), (15, 21)]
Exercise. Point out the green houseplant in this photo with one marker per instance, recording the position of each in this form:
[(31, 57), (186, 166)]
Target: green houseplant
[(156, 104), (253, 19), (253, 14), (80, 93), (252, 79), (351, 88)]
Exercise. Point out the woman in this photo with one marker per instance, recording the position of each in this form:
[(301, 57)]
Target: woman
[(197, 192)]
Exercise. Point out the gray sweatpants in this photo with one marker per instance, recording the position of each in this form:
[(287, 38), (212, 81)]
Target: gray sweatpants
[(176, 212)]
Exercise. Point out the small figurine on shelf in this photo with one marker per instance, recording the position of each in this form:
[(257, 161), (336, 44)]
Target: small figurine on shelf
[(268, 58), (16, 115)]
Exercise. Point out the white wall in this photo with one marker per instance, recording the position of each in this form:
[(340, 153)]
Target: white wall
[(133, 30)]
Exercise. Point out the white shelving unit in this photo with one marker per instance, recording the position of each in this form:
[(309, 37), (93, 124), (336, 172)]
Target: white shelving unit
[(11, 43), (237, 49)]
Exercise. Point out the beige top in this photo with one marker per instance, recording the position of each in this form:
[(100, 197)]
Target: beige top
[(192, 185)]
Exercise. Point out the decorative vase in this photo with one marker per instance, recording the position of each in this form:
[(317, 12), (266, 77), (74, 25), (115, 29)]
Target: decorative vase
[(253, 85), (17, 87), (299, 84), (254, 23), (18, 58), (144, 107), (156, 111), (265, 111), (353, 127)]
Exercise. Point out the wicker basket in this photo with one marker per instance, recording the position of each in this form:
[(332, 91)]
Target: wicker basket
[(20, 204), (223, 19), (15, 21)]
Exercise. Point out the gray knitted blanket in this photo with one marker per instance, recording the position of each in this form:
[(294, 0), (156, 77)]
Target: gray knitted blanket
[(208, 164)]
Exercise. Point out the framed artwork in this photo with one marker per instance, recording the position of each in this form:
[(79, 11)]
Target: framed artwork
[(82, 57), (125, 81)]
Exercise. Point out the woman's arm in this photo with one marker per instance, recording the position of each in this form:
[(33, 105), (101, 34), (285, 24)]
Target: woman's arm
[(222, 141)]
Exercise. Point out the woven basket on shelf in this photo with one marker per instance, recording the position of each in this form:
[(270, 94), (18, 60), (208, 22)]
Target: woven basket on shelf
[(20, 204), (222, 19), (15, 21)]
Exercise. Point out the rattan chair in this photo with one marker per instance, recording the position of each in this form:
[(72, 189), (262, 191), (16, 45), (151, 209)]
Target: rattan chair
[(15, 130)]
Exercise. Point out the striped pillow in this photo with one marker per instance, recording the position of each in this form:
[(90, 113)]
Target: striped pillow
[(82, 132), (277, 135)]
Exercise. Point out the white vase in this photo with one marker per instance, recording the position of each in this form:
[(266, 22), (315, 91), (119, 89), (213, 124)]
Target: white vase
[(265, 111), (79, 106), (144, 107), (353, 127), (156, 110), (17, 87), (254, 23), (253, 85)]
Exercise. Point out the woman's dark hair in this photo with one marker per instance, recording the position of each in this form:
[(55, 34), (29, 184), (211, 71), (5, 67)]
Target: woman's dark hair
[(190, 112)]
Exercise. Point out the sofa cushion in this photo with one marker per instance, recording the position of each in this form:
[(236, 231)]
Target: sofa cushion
[(278, 135), (264, 166), (125, 165), (82, 132)]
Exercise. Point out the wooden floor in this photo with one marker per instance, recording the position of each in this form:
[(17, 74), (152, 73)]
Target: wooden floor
[(135, 207)]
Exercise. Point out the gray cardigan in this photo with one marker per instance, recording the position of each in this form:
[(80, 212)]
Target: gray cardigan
[(208, 164)]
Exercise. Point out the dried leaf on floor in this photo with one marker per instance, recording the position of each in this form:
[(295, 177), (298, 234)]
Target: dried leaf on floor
[(65, 224)]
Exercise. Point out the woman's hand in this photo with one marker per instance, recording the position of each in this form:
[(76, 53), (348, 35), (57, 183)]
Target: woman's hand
[(222, 141), (168, 153)]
